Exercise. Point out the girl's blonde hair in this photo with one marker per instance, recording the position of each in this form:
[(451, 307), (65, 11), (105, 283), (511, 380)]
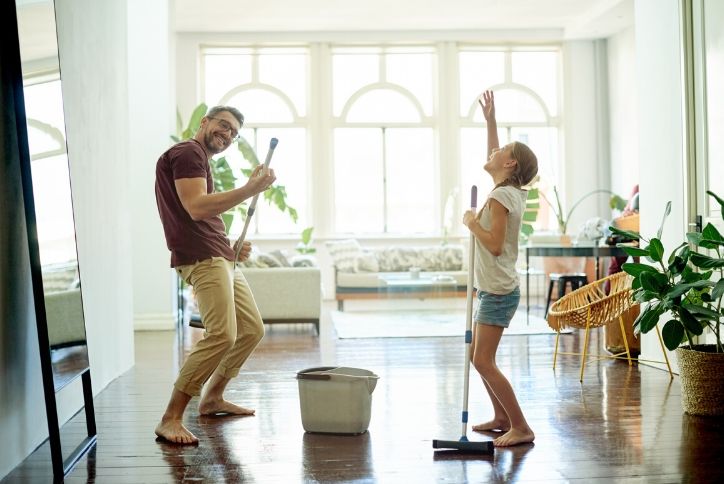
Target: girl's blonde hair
[(526, 167)]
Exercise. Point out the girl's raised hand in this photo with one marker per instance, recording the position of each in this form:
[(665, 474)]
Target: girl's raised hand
[(487, 102)]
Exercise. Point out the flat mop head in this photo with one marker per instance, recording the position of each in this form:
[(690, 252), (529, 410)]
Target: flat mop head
[(465, 446)]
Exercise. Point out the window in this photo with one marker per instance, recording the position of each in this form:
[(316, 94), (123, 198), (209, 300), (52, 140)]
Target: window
[(384, 140), (269, 86), (50, 172), (375, 139), (526, 99)]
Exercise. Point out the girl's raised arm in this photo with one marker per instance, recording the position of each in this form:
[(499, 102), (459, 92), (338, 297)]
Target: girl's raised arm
[(487, 102)]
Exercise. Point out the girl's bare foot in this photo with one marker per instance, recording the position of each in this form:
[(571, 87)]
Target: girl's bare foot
[(498, 424), (214, 407), (175, 432), (514, 437)]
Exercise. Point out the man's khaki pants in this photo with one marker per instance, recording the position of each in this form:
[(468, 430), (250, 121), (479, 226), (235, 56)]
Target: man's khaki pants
[(232, 323)]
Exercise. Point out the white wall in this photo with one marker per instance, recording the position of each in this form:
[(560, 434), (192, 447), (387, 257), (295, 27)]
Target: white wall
[(94, 69), (584, 162), (151, 122), (660, 97), (623, 112)]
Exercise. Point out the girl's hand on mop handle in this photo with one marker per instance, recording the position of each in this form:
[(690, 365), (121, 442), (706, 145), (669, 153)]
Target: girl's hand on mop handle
[(261, 178)]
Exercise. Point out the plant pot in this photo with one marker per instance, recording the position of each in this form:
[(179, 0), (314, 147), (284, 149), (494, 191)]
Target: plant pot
[(702, 380)]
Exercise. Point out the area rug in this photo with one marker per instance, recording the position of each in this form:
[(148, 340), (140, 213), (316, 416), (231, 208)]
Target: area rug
[(401, 324)]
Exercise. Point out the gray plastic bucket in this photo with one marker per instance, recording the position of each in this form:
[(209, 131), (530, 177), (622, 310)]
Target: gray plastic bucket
[(336, 399)]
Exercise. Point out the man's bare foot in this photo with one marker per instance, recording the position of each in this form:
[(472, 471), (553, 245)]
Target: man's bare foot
[(215, 407), (501, 425), (514, 437), (175, 432)]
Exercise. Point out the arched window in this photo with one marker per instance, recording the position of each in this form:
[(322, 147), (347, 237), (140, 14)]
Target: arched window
[(269, 86), (50, 171), (525, 84), (383, 140)]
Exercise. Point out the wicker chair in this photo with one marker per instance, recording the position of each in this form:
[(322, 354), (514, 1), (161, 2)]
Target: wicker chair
[(595, 305)]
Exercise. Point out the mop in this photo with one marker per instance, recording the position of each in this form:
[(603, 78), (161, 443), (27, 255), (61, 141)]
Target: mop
[(196, 322), (464, 444), (252, 205)]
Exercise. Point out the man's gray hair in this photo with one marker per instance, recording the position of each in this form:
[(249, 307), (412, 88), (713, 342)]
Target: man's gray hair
[(234, 112)]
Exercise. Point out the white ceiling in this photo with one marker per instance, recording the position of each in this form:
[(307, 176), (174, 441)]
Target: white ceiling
[(573, 19)]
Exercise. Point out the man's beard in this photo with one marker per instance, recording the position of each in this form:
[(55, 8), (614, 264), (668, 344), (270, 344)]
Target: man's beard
[(211, 144)]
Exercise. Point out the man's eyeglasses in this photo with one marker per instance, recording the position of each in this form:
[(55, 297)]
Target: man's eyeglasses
[(227, 127)]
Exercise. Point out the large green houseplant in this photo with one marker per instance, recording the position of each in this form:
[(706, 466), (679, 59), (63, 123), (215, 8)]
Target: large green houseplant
[(224, 178), (688, 285)]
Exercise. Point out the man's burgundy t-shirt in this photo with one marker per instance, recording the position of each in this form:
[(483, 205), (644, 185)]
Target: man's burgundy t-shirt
[(188, 241)]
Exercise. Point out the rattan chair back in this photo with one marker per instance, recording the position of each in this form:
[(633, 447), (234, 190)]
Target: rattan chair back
[(593, 305)]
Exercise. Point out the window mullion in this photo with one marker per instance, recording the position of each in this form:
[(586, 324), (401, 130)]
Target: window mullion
[(383, 132)]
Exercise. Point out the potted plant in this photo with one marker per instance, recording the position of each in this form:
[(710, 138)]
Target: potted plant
[(304, 246), (563, 218), (530, 214), (223, 175), (688, 285)]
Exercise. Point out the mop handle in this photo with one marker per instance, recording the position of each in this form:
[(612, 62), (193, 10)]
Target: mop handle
[(469, 316), (252, 207)]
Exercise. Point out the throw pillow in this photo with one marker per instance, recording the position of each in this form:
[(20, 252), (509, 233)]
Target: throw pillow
[(430, 258), (366, 262), (344, 254), (452, 258), (253, 261), (398, 259), (303, 260), (268, 260), (281, 257)]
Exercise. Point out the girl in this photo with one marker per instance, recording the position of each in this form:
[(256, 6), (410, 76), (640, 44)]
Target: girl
[(496, 229)]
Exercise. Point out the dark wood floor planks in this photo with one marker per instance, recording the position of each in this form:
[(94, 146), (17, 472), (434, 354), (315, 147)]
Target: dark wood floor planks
[(621, 425)]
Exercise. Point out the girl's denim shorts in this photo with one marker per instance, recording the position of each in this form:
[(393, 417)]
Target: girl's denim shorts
[(497, 309)]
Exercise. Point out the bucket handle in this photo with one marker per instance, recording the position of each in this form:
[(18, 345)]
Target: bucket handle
[(313, 376)]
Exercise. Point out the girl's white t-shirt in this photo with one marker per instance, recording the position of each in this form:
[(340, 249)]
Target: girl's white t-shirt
[(497, 275)]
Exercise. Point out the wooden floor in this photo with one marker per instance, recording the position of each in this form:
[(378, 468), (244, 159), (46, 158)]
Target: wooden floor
[(621, 425)]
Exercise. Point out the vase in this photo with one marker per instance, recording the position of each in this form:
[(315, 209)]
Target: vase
[(702, 380)]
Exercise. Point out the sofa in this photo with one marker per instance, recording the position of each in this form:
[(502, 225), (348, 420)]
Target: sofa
[(286, 289), (396, 271), (286, 294), (63, 305)]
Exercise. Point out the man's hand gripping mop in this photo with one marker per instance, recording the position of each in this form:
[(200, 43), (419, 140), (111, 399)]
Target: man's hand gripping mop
[(464, 445), (252, 205)]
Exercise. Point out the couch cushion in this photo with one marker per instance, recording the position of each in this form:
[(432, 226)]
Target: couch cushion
[(366, 262), (303, 260), (344, 253), (433, 258), (398, 259), (60, 277)]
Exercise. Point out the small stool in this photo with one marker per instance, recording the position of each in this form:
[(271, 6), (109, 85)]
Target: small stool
[(576, 281)]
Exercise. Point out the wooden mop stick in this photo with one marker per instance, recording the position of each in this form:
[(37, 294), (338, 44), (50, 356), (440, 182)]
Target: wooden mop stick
[(252, 207)]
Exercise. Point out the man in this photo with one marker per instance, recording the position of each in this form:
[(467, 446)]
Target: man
[(202, 255)]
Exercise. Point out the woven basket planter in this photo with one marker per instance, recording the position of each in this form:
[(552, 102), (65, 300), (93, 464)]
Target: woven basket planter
[(702, 380)]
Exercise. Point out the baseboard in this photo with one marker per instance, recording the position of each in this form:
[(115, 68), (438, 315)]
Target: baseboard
[(154, 322)]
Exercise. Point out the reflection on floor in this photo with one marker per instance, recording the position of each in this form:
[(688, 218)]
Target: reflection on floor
[(68, 363)]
